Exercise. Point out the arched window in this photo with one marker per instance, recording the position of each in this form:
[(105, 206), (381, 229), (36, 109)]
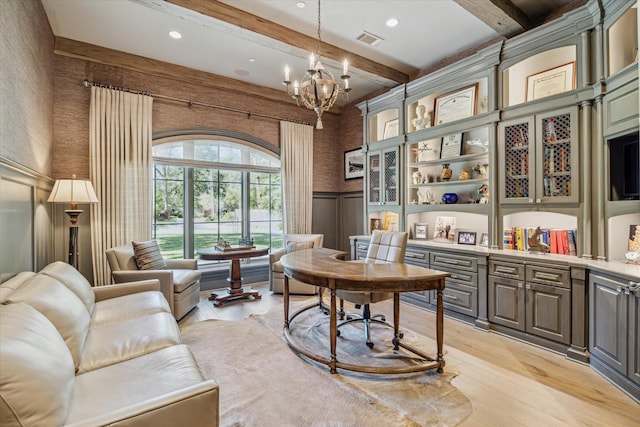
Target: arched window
[(214, 186)]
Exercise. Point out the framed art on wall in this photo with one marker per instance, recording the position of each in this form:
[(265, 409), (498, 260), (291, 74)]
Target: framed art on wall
[(353, 164), (551, 82), (456, 105)]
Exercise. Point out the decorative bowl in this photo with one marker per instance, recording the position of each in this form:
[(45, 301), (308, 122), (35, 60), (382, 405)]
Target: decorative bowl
[(449, 198)]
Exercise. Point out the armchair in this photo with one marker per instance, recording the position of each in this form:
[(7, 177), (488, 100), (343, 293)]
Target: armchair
[(292, 242), (179, 283), (384, 247)]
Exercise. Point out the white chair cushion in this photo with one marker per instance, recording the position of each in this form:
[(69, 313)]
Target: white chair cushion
[(182, 279), (36, 369), (74, 280), (127, 307)]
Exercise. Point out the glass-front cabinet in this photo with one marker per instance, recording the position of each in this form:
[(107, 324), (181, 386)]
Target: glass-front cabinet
[(539, 158), (383, 176)]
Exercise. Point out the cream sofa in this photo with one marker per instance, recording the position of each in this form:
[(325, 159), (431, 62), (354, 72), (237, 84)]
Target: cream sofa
[(276, 271), (73, 355)]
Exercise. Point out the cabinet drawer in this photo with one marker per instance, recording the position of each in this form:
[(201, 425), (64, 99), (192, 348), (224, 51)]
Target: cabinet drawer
[(362, 246), (460, 298), (459, 262), (556, 276), (418, 258), (507, 269), (460, 276)]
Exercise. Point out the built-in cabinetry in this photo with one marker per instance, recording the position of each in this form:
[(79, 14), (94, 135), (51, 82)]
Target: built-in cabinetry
[(614, 337), (539, 158), (382, 175)]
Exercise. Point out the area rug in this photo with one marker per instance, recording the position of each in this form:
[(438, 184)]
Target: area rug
[(264, 383)]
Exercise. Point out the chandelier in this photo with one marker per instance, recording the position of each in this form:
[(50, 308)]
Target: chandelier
[(318, 89)]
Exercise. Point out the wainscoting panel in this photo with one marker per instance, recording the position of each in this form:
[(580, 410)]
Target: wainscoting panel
[(25, 220), (352, 217), (325, 218)]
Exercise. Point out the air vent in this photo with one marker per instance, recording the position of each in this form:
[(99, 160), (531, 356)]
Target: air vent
[(370, 39)]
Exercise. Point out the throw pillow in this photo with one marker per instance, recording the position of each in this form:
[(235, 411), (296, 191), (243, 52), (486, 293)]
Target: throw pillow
[(298, 246), (148, 256)]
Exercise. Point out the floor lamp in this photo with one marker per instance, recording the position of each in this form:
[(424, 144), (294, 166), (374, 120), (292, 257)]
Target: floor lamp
[(73, 191)]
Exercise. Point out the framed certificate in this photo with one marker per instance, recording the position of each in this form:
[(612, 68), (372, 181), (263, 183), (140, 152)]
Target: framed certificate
[(456, 105), (451, 146), (551, 82)]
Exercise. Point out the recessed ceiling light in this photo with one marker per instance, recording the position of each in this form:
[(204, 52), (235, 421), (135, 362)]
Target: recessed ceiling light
[(252, 59), (392, 22), (174, 34), (301, 5)]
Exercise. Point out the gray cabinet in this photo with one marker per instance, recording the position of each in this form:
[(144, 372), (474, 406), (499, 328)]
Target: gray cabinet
[(531, 298), (382, 175), (614, 313)]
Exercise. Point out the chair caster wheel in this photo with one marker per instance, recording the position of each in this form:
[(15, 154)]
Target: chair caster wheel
[(338, 333), (400, 335), (370, 344), (384, 319)]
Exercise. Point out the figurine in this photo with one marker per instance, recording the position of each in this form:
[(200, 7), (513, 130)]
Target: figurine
[(223, 243), (483, 192), (423, 119), (481, 170), (417, 177)]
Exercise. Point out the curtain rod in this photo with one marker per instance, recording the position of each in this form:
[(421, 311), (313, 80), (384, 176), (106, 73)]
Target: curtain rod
[(191, 103)]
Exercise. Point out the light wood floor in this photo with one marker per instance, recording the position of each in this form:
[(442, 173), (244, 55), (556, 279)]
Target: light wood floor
[(509, 383)]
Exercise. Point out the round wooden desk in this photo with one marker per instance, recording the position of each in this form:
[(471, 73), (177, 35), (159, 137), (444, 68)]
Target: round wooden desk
[(235, 290), (321, 267)]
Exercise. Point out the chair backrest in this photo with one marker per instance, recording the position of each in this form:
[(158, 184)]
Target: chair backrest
[(122, 258), (387, 246), (317, 239)]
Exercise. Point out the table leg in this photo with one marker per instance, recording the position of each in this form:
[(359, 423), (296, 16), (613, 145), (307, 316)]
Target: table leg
[(235, 290), (440, 327), (333, 323), (396, 321), (286, 301)]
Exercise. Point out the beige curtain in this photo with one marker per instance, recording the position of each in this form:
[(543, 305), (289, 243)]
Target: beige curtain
[(120, 154), (296, 147)]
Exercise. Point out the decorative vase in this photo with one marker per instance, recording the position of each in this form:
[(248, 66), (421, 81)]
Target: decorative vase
[(449, 198), (446, 173), (464, 175)]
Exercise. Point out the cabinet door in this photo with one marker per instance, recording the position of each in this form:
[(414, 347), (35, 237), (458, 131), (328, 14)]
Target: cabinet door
[(557, 157), (373, 178), (634, 336), (516, 150), (548, 312), (506, 302), (390, 176), (608, 322)]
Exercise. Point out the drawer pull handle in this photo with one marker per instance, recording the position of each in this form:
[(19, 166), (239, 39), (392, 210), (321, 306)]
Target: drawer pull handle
[(547, 276), (414, 255), (453, 297), (506, 270), (448, 261)]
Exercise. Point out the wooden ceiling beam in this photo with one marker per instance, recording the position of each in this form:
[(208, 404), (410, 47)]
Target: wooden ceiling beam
[(116, 58), (501, 15), (256, 24)]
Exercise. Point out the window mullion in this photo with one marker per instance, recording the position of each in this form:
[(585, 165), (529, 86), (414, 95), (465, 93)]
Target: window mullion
[(189, 238)]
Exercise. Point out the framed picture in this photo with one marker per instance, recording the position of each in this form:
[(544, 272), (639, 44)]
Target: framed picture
[(390, 129), (456, 105), (374, 224), (445, 229), (353, 164), (484, 239), (467, 237), (551, 82), (420, 231), (451, 146)]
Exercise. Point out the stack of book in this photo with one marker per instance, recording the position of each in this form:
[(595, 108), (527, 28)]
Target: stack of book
[(562, 242)]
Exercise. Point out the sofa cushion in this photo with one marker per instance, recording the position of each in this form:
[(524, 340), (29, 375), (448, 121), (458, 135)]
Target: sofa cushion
[(277, 267), (11, 285), (182, 279), (37, 371), (142, 382), (61, 306), (72, 279), (148, 256), (116, 342), (130, 306)]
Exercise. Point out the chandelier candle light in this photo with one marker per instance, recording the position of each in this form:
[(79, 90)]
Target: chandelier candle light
[(319, 89), (73, 191)]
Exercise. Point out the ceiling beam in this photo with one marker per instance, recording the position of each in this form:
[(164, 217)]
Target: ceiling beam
[(256, 24), (116, 58), (501, 15)]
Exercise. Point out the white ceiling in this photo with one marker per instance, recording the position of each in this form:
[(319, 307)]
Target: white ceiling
[(429, 31)]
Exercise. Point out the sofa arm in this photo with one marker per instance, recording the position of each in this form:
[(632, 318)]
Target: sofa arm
[(113, 291), (182, 264), (196, 406), (276, 255), (164, 276)]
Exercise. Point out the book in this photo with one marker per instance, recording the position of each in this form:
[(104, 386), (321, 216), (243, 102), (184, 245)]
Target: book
[(572, 242), (507, 239)]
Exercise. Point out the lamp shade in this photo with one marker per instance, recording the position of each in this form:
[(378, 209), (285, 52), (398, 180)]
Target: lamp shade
[(73, 191)]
